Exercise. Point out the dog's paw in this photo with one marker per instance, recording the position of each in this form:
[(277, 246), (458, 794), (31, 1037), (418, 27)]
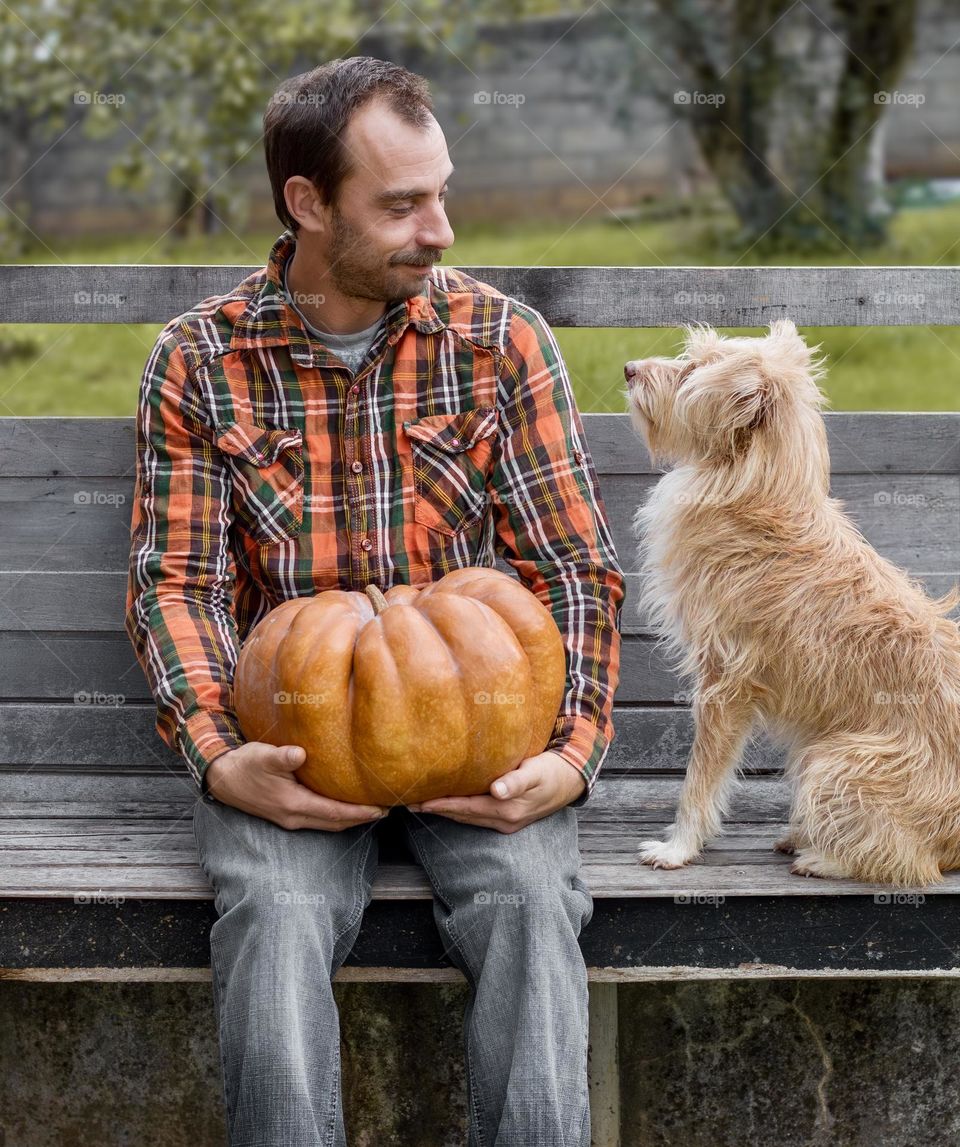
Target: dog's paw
[(810, 863), (787, 844), (661, 854)]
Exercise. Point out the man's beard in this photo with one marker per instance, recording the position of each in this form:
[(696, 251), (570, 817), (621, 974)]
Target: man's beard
[(360, 273)]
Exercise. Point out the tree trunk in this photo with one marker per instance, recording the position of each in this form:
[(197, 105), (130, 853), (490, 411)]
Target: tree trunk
[(879, 39), (734, 125)]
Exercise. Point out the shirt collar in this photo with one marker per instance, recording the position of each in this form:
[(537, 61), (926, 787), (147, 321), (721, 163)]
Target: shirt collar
[(269, 320)]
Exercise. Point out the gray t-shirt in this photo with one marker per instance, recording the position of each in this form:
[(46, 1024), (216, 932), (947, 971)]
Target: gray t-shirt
[(352, 348)]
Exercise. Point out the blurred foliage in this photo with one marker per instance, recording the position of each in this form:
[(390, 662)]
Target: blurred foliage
[(187, 85)]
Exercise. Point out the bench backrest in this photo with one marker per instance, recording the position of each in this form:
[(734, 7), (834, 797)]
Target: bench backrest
[(72, 696)]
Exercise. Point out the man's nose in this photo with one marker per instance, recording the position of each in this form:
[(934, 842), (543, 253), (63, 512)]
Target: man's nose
[(437, 233)]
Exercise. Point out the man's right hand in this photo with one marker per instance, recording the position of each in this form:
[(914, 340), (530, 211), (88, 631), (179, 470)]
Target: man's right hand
[(258, 778)]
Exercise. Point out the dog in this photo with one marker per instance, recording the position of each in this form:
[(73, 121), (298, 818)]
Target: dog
[(767, 597)]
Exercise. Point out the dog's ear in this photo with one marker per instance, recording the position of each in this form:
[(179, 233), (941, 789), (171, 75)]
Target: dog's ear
[(787, 356), (726, 396)]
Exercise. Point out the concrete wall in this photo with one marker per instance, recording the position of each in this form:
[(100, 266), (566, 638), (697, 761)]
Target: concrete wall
[(706, 1064)]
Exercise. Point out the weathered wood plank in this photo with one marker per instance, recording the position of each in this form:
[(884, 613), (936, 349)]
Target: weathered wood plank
[(914, 519), (158, 860), (93, 601), (861, 442), (114, 874), (567, 296), (58, 739), (102, 669)]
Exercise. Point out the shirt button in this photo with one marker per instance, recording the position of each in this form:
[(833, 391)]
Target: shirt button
[(366, 544), (454, 441), (356, 467), (355, 389), (578, 455)]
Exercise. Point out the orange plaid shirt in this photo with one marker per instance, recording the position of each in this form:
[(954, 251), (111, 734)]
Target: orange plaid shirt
[(267, 470)]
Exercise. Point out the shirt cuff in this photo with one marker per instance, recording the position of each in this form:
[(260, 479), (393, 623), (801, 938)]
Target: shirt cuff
[(204, 736), (582, 745)]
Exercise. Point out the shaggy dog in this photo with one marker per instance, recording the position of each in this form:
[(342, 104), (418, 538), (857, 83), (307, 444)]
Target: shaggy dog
[(773, 603)]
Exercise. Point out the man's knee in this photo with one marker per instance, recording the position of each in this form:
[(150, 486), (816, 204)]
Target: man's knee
[(520, 905), (281, 927)]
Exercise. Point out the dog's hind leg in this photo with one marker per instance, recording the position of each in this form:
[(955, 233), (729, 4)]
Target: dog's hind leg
[(850, 817), (722, 728)]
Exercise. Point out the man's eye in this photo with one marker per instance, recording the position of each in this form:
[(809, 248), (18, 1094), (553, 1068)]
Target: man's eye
[(401, 211)]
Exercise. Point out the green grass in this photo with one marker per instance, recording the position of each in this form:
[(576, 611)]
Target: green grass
[(85, 369)]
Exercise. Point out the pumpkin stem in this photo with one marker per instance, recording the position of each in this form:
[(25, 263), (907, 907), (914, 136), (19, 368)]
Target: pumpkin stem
[(380, 603)]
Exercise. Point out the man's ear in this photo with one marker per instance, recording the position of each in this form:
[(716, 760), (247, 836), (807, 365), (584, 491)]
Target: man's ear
[(722, 397)]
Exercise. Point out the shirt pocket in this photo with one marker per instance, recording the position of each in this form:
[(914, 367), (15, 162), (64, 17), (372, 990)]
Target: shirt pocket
[(452, 457), (266, 465)]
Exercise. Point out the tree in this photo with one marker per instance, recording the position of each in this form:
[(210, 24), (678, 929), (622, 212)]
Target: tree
[(825, 185), (185, 84)]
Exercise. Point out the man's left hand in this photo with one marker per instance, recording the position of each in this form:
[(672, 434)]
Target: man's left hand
[(537, 787)]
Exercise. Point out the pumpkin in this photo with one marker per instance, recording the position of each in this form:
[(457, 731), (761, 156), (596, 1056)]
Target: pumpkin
[(397, 697)]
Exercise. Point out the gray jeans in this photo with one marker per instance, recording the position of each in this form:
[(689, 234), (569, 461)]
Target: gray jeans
[(509, 908)]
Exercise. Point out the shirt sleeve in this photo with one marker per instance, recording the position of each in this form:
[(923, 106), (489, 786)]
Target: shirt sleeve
[(182, 574), (551, 526)]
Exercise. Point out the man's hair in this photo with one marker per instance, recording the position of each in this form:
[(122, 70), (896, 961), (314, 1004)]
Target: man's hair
[(305, 121)]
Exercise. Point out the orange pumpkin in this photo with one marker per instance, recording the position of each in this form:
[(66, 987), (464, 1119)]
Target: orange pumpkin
[(397, 697)]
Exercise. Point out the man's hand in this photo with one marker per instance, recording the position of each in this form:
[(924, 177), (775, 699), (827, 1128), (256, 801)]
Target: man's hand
[(537, 787), (258, 778)]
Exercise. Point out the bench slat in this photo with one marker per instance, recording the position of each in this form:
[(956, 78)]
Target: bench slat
[(54, 740), (51, 601), (158, 860), (914, 519), (567, 296), (874, 442)]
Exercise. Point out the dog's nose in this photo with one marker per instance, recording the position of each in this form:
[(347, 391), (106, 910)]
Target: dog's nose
[(630, 370)]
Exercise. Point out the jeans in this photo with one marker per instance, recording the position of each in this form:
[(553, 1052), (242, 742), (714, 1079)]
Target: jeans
[(509, 909)]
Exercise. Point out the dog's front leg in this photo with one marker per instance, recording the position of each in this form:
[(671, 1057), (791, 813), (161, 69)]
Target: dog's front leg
[(722, 728)]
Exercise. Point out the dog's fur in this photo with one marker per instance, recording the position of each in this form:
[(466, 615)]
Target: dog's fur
[(774, 605)]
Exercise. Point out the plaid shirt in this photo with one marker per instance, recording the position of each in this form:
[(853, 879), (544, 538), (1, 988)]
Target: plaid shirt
[(267, 470)]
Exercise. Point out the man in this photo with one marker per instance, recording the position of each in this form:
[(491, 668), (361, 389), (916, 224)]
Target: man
[(354, 415)]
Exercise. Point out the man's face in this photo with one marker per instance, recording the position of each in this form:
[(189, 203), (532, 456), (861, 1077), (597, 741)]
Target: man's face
[(389, 224)]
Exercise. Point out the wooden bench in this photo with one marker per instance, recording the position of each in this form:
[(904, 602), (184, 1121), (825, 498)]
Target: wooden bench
[(100, 878)]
